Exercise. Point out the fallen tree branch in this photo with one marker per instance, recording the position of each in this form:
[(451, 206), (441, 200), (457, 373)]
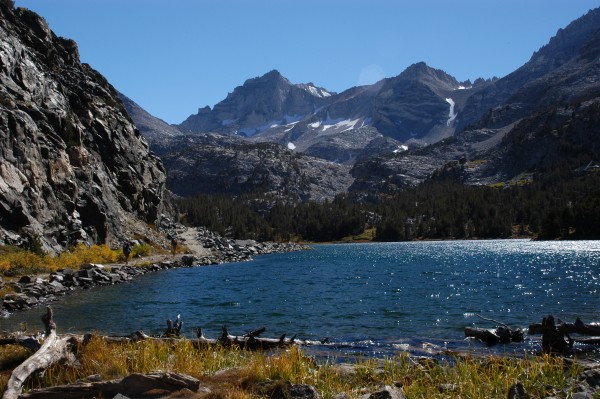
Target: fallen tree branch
[(52, 351), (492, 320), (503, 334), (252, 341)]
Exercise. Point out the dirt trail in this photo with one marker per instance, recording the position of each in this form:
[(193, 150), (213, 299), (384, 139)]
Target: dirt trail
[(187, 237)]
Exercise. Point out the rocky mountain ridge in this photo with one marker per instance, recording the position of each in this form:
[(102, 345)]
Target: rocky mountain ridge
[(423, 122), (539, 117), (73, 167), (258, 104), (417, 107)]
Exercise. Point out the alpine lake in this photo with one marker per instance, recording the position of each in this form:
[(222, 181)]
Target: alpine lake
[(369, 300)]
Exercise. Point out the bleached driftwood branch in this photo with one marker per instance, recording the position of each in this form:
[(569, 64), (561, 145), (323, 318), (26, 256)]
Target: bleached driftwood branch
[(53, 350)]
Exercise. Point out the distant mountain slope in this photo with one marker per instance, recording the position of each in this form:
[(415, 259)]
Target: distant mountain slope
[(418, 107), (257, 105), (526, 87), (151, 127), (214, 164), (542, 117), (73, 167)]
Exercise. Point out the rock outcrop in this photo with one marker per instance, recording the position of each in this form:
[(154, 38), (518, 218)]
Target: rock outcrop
[(73, 167), (226, 165)]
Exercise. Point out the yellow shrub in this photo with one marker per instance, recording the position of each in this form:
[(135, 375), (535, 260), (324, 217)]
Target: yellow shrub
[(141, 250), (15, 261), (4, 266), (19, 262), (81, 254), (137, 251), (95, 254)]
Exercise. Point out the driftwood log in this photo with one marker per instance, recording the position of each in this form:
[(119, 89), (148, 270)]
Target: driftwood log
[(556, 338), (579, 327), (53, 350), (134, 385), (502, 334), (251, 340), (56, 349)]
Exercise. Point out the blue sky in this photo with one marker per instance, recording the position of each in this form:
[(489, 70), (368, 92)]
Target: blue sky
[(173, 57)]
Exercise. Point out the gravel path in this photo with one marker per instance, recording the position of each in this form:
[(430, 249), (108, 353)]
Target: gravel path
[(189, 237), (186, 236)]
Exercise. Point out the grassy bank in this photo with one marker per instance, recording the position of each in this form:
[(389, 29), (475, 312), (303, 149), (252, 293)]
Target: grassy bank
[(231, 373), (15, 261)]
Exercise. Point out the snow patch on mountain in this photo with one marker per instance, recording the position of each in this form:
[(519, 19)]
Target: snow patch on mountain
[(451, 115), (315, 91), (288, 120), (343, 125), (400, 149), (291, 146), (291, 126)]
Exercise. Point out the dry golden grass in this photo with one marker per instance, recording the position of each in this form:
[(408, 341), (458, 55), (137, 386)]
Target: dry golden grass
[(238, 374), (17, 262)]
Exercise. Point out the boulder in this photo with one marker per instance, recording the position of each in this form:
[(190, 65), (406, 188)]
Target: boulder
[(386, 392), (516, 391)]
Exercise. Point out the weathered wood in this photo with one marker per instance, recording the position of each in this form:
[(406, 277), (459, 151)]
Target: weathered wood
[(503, 334), (482, 334), (579, 327), (52, 351), (255, 333), (174, 330), (134, 385), (250, 340), (556, 338)]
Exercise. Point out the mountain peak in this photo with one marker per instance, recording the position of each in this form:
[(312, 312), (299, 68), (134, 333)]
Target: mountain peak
[(422, 72), (271, 76), (421, 69), (274, 73), (417, 67)]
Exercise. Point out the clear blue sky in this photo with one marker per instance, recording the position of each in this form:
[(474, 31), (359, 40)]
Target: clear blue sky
[(175, 56)]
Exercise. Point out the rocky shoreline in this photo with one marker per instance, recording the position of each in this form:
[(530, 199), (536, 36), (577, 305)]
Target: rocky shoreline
[(32, 291)]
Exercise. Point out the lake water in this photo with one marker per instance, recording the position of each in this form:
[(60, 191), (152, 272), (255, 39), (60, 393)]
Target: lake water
[(368, 299)]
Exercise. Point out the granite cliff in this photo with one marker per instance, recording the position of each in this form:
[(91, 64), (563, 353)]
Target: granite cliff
[(73, 167)]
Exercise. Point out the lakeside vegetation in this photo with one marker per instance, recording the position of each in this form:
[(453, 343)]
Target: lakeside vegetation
[(557, 204), (234, 373), (15, 261)]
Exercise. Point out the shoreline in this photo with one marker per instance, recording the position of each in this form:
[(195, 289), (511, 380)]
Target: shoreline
[(34, 291)]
